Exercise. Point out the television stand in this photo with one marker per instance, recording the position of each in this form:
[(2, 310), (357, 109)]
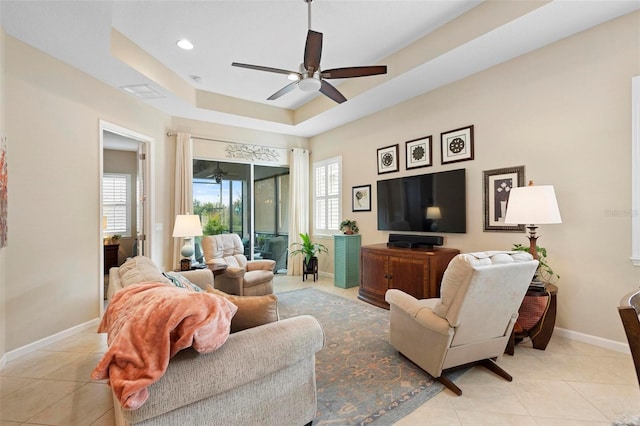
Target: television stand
[(414, 270)]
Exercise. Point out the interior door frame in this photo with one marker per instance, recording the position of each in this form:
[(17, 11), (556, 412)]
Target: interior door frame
[(145, 146)]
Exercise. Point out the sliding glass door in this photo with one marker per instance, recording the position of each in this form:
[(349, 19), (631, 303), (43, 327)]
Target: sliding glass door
[(223, 197), (271, 214)]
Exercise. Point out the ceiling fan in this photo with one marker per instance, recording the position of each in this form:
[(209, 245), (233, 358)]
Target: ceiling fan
[(310, 77), (217, 174)]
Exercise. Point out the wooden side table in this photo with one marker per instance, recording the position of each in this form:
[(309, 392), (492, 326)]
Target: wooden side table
[(541, 332), (110, 256)]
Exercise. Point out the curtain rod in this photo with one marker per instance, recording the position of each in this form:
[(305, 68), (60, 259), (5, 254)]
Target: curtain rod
[(235, 143)]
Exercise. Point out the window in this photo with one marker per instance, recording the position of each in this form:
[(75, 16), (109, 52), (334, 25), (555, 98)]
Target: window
[(116, 205), (327, 186)]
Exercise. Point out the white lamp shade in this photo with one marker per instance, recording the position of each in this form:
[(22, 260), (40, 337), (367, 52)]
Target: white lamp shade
[(532, 205), (187, 225)]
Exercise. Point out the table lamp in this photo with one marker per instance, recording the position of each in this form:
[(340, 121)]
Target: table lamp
[(187, 226), (434, 213), (532, 204)]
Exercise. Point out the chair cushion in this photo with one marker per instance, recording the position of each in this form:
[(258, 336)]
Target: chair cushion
[(252, 310), (459, 272), (225, 248), (140, 269)]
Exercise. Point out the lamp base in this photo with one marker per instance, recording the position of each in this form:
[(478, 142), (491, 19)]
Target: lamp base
[(533, 238), (185, 264)]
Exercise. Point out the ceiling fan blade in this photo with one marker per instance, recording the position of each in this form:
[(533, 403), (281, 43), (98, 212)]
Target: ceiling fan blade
[(267, 69), (284, 90), (331, 92), (313, 51), (354, 71)]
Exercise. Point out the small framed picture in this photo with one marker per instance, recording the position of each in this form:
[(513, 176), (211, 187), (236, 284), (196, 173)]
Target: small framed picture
[(457, 145), (388, 159), (361, 198), (418, 153), (497, 187)]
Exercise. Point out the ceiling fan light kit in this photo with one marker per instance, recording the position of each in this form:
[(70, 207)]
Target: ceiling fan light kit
[(311, 78)]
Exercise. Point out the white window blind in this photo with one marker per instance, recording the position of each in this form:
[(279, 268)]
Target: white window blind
[(327, 195), (116, 206)]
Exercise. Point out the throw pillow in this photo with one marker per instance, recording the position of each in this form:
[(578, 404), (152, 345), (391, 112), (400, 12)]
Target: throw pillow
[(252, 310), (180, 281)]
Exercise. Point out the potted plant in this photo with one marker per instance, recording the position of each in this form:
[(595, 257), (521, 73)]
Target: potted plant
[(544, 272), (115, 238), (310, 251), (349, 227)]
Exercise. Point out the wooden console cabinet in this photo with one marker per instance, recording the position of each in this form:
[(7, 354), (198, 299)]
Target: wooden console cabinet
[(416, 271)]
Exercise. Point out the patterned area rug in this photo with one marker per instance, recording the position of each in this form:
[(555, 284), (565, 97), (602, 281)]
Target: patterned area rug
[(360, 377)]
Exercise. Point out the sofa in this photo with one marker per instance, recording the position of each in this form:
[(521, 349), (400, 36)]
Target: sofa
[(261, 375)]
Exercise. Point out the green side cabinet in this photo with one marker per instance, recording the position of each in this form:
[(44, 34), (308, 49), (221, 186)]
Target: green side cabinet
[(346, 249)]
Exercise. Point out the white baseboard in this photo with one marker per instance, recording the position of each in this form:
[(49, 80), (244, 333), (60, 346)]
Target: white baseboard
[(593, 340), (39, 344)]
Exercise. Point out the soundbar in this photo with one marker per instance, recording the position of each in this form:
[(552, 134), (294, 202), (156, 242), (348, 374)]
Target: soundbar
[(412, 241)]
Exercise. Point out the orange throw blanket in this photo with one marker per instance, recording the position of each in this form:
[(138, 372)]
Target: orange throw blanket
[(148, 324)]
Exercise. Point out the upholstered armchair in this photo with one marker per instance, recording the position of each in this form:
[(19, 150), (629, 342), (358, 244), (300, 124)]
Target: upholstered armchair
[(471, 321), (242, 277)]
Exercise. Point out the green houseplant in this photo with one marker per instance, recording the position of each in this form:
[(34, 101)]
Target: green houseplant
[(544, 272), (307, 248), (349, 227)]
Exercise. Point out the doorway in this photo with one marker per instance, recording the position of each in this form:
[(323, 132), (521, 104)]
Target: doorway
[(125, 194)]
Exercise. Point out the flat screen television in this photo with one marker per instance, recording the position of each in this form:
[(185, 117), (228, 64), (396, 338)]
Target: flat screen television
[(434, 202)]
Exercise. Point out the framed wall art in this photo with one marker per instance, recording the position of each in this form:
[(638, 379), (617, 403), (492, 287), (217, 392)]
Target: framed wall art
[(418, 153), (457, 145), (361, 198), (497, 186), (388, 159)]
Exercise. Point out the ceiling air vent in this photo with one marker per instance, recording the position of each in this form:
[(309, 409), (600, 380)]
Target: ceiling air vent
[(143, 91)]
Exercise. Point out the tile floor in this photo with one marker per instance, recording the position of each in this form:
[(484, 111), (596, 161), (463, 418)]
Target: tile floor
[(571, 383)]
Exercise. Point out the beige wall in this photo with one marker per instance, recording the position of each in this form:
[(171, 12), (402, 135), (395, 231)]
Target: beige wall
[(564, 113), (52, 264), (49, 276)]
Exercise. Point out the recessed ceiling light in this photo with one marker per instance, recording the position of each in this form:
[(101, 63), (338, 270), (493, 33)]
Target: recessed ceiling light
[(184, 44)]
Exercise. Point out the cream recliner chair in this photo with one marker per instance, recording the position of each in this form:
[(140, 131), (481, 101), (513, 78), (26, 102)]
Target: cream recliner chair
[(471, 321), (242, 277)]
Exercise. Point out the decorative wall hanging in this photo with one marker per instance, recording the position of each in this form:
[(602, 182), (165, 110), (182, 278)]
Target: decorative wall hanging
[(388, 159), (361, 198), (497, 186), (251, 152), (418, 153), (457, 145)]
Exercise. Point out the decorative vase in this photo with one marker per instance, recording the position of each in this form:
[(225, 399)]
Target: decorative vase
[(348, 231)]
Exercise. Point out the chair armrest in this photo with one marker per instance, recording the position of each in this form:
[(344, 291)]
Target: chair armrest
[(270, 347), (232, 272), (420, 310), (263, 264)]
